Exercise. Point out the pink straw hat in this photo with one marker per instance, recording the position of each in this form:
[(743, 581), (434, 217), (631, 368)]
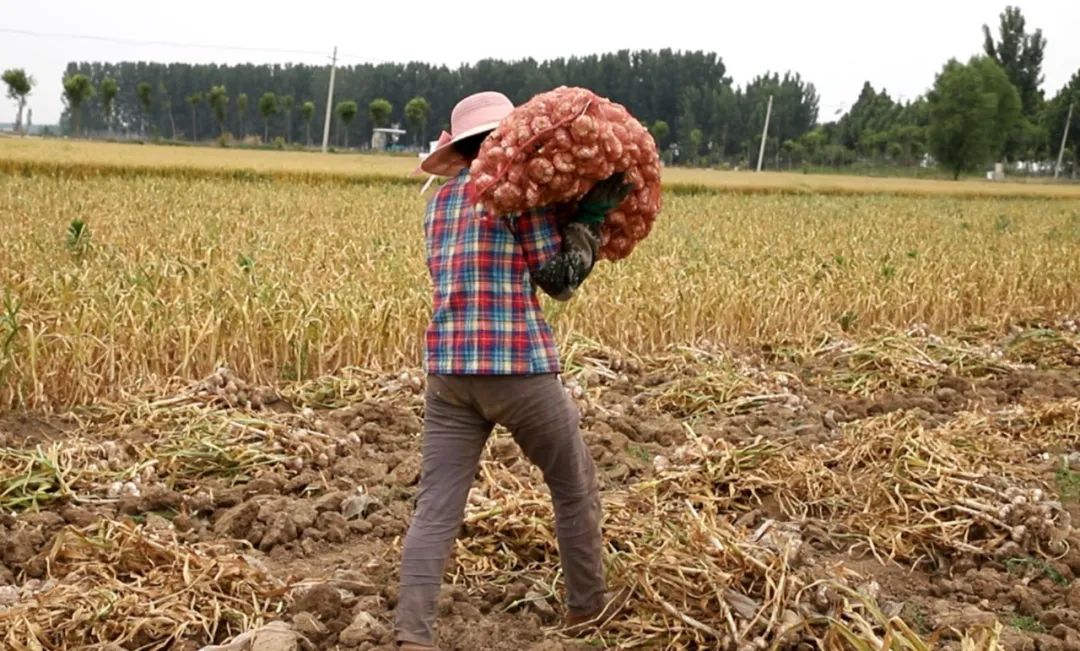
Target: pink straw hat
[(473, 115)]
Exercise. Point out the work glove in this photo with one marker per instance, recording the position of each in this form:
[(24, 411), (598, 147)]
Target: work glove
[(602, 199)]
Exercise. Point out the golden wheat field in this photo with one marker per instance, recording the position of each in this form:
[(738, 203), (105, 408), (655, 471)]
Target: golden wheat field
[(172, 275), (78, 156), (828, 412)]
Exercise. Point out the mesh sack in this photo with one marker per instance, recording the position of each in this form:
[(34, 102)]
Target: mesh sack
[(554, 148)]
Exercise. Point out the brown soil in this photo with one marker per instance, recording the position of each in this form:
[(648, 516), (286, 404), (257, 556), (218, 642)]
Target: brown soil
[(333, 527)]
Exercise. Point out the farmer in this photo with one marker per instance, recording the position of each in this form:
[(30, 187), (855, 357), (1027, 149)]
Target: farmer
[(491, 359)]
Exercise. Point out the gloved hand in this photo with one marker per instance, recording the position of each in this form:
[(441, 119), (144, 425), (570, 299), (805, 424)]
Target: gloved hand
[(602, 199)]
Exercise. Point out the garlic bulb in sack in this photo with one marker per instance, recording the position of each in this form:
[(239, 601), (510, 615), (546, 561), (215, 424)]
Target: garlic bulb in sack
[(554, 148)]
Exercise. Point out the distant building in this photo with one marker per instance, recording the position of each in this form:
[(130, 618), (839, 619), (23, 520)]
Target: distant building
[(383, 139)]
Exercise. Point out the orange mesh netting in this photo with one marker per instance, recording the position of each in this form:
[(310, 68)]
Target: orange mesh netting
[(554, 148)]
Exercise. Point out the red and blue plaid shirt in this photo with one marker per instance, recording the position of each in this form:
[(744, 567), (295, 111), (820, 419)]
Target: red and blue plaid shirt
[(486, 318)]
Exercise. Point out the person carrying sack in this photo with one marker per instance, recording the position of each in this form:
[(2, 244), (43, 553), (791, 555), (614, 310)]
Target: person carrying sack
[(490, 359)]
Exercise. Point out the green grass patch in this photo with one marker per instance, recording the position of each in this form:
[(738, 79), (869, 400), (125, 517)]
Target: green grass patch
[(1026, 623)]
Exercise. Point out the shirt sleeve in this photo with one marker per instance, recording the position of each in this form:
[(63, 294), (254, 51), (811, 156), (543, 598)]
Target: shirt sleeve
[(559, 260), (537, 232)]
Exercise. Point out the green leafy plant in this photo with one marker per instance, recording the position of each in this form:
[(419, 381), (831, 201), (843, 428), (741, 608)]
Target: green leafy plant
[(78, 238)]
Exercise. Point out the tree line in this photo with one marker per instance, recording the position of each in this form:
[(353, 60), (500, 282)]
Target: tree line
[(687, 94), (989, 108)]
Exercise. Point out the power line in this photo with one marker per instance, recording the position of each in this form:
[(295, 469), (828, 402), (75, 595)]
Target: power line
[(207, 46), (360, 58), (129, 41)]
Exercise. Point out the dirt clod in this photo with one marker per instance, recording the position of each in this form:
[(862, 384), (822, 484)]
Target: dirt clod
[(236, 522)]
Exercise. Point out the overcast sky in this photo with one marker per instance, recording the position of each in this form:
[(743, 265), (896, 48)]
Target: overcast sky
[(836, 44)]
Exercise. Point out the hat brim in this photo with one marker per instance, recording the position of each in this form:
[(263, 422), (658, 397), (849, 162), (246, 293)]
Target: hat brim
[(445, 161)]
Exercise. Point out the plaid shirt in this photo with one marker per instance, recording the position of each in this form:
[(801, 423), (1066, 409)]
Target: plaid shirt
[(486, 318)]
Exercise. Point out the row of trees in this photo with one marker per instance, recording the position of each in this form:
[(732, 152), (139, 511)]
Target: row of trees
[(79, 89), (990, 108), (689, 91), (993, 108)]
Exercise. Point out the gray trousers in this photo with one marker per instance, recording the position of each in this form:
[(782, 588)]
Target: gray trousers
[(460, 413)]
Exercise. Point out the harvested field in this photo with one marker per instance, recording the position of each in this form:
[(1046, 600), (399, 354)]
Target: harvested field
[(821, 422)]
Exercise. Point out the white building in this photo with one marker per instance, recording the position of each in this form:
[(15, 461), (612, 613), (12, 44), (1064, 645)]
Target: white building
[(383, 137)]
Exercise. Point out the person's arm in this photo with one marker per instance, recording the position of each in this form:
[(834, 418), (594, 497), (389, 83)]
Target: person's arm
[(559, 261), (561, 275)]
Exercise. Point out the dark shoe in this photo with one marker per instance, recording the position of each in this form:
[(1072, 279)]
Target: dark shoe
[(576, 622)]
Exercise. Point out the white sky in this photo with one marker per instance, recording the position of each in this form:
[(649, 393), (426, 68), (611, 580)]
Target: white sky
[(836, 44)]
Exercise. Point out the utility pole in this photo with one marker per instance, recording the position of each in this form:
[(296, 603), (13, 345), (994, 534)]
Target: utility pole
[(764, 135), (1064, 137), (329, 103)]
